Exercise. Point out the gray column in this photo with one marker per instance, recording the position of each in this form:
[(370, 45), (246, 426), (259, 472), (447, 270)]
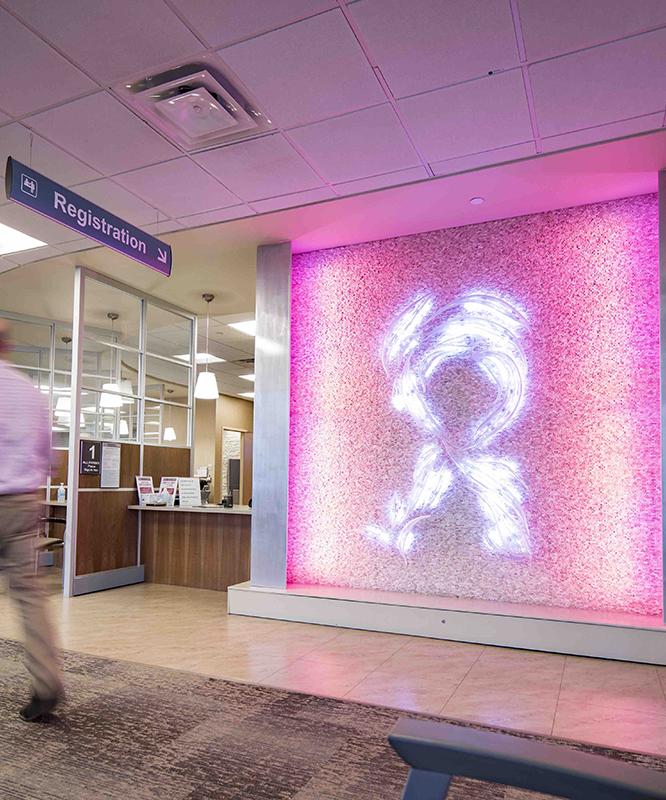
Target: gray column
[(662, 308), (270, 477)]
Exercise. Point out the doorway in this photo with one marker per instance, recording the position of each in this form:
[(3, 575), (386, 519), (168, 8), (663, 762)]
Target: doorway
[(236, 465)]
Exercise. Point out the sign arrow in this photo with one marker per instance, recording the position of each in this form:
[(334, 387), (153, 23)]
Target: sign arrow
[(161, 255)]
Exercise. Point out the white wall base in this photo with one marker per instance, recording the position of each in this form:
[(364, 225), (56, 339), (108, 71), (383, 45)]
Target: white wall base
[(620, 636), (111, 579)]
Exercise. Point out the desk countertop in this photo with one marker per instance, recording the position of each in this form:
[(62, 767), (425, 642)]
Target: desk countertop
[(211, 509)]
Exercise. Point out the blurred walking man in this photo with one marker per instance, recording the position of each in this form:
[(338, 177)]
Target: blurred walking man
[(24, 462)]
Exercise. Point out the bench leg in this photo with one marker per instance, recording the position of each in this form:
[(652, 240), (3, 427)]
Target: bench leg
[(422, 785)]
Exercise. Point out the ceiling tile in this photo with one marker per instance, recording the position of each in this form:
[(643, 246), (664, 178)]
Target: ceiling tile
[(46, 157), (291, 200), (102, 132), (178, 188), (438, 42), (603, 133), (357, 145), (221, 22), (382, 181), (307, 71), (260, 168), (111, 39), (117, 200), (551, 28), (34, 224), (469, 118), (165, 226), (6, 264), (35, 75), (604, 84), (76, 246), (38, 254), (484, 159), (220, 215)]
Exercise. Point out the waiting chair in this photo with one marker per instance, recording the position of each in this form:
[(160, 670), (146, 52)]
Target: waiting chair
[(436, 752), (49, 543)]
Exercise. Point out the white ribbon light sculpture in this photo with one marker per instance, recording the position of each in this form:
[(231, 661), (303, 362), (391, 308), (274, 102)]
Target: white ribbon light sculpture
[(486, 329)]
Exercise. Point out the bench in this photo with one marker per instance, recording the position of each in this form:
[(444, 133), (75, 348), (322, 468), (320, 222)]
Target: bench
[(436, 752)]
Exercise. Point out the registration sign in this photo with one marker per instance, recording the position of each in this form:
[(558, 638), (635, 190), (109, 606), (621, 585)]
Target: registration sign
[(35, 191)]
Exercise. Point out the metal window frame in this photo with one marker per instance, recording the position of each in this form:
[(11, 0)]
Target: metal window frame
[(82, 275)]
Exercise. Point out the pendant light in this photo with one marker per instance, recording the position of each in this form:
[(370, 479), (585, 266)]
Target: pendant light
[(169, 432), (123, 428), (206, 388), (63, 408), (111, 400), (64, 405)]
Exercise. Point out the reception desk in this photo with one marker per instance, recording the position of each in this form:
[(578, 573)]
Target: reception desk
[(206, 547)]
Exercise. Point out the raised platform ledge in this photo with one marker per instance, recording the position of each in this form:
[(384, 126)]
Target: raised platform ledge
[(620, 636)]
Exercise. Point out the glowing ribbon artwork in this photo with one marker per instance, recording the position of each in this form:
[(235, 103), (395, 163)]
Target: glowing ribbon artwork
[(485, 330)]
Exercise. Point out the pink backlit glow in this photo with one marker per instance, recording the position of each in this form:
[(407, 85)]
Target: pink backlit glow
[(571, 458)]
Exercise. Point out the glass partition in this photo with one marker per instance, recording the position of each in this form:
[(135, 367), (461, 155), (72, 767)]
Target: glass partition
[(135, 351)]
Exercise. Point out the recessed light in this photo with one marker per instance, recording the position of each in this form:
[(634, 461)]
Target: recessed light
[(246, 394), (477, 201), (249, 326), (13, 241), (247, 377), (202, 358)]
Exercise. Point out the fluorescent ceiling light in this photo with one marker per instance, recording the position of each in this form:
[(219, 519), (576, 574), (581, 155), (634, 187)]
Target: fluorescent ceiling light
[(13, 241), (247, 377), (202, 358), (249, 327), (246, 394)]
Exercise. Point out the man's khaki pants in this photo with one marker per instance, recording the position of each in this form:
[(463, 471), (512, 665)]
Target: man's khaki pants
[(19, 518)]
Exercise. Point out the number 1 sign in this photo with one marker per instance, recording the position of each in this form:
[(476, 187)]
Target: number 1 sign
[(90, 457)]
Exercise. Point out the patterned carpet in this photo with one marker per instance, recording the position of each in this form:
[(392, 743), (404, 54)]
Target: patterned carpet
[(138, 733)]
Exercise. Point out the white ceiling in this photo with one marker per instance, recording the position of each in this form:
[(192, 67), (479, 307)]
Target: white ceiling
[(221, 258), (364, 95)]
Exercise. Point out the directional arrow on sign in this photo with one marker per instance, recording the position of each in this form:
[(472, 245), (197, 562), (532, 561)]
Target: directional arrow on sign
[(161, 255)]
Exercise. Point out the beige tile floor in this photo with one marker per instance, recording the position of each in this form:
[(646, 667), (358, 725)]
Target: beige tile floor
[(612, 703)]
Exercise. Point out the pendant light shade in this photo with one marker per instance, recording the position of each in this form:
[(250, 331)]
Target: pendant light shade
[(169, 434), (110, 400), (123, 428), (63, 406), (206, 388), (126, 388)]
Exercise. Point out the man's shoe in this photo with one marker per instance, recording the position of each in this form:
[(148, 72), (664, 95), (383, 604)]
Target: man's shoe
[(38, 709)]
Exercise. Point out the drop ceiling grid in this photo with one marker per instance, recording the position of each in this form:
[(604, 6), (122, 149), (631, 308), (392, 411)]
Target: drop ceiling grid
[(527, 36)]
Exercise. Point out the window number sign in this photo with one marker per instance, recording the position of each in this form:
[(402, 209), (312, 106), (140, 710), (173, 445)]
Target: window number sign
[(91, 453)]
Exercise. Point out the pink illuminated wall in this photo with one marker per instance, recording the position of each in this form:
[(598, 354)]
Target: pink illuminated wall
[(475, 412)]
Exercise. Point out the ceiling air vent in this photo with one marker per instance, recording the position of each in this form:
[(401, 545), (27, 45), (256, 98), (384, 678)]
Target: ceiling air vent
[(196, 105)]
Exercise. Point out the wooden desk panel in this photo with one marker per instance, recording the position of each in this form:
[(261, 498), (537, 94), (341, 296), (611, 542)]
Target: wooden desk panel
[(160, 461), (205, 551), (107, 532)]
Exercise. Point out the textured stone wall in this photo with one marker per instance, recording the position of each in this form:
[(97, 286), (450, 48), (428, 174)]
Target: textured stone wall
[(539, 401)]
